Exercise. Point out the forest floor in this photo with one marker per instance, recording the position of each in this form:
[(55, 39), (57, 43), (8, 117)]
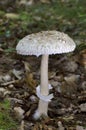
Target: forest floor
[(19, 75)]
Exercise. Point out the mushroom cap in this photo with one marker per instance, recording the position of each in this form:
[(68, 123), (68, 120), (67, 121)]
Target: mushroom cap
[(45, 42)]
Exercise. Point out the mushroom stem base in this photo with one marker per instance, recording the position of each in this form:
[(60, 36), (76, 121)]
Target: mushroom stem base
[(42, 109), (43, 103)]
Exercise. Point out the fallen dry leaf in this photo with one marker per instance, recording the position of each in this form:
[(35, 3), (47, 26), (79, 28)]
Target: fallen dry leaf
[(11, 16), (17, 73), (79, 127), (22, 125), (1, 50), (27, 66), (83, 58), (45, 1), (30, 81), (83, 107), (60, 126)]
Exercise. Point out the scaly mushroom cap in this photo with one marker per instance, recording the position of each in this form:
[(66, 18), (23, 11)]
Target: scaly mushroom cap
[(45, 42)]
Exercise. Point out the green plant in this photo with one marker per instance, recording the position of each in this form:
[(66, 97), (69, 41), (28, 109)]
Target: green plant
[(9, 50), (6, 120)]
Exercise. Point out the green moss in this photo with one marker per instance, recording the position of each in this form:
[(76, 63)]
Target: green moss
[(6, 120), (1, 13)]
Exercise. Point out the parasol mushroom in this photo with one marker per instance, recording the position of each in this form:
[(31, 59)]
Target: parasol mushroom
[(45, 43)]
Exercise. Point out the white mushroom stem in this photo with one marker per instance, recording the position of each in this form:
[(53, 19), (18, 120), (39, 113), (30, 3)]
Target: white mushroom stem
[(44, 89), (44, 75)]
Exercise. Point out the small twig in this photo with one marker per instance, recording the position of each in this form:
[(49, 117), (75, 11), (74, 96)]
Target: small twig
[(10, 82)]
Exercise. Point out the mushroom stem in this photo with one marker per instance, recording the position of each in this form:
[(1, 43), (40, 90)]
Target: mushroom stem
[(44, 75), (44, 90)]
